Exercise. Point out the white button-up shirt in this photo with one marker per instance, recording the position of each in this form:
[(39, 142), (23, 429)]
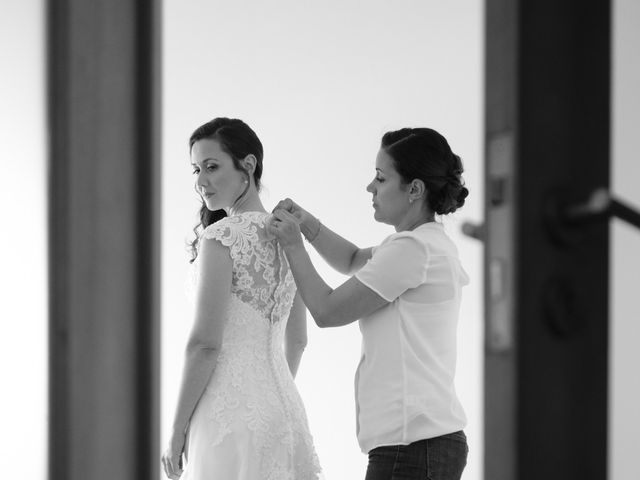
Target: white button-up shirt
[(405, 380)]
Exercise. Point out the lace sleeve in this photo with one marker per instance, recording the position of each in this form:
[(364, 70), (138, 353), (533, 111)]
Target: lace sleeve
[(222, 231), (232, 233)]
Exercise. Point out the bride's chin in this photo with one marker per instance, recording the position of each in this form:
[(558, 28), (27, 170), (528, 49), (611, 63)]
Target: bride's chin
[(212, 207)]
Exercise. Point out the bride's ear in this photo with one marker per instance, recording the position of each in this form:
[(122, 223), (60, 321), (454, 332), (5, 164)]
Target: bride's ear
[(249, 162)]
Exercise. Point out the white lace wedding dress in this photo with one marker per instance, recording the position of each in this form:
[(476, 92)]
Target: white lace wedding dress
[(250, 423)]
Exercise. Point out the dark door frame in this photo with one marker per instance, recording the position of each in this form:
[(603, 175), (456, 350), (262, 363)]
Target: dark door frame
[(546, 299), (104, 243)]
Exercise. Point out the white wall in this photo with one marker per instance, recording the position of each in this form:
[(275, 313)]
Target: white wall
[(320, 82), (23, 240), (624, 391)]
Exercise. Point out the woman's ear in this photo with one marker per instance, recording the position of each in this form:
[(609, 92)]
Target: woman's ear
[(249, 163), (417, 189)]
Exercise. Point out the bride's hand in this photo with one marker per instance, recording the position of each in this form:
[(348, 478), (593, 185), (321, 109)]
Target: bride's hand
[(285, 227), (172, 457), (308, 223)]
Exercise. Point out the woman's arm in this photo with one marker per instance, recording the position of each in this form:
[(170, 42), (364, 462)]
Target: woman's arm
[(296, 334), (203, 346), (329, 307), (340, 253)]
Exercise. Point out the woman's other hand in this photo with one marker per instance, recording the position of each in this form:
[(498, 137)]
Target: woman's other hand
[(293, 208), (172, 457), (285, 227), (309, 224)]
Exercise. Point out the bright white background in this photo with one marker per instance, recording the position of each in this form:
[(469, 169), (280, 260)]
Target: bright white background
[(23, 241), (320, 82), (325, 161), (624, 390)]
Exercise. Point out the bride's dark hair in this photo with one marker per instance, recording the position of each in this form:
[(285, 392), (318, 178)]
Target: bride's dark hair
[(238, 140)]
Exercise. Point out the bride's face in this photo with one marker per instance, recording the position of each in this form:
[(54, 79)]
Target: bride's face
[(218, 181)]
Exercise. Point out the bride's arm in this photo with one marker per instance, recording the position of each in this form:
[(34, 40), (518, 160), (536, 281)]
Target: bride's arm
[(203, 346), (296, 334), (337, 251)]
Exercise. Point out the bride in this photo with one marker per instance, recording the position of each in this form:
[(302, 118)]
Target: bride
[(239, 415)]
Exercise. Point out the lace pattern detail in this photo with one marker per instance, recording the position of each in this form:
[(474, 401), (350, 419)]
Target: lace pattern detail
[(252, 392), (261, 274)]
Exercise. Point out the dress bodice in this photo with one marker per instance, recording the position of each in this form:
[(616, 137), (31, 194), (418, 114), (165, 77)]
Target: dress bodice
[(261, 276)]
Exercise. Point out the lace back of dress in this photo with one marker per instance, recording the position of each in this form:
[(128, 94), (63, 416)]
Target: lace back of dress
[(267, 267), (261, 274)]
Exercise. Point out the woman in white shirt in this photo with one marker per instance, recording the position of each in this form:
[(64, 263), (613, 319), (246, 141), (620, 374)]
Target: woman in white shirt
[(406, 295)]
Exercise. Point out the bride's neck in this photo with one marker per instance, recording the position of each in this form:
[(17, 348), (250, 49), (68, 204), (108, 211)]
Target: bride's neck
[(250, 203)]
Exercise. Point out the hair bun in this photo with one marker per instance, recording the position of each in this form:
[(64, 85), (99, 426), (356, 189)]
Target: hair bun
[(451, 197), (464, 193)]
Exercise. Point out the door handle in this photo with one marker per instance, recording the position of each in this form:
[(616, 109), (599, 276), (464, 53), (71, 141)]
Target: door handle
[(568, 221), (474, 230), (601, 205)]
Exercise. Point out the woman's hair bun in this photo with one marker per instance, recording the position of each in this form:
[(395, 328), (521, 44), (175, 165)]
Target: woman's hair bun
[(450, 197)]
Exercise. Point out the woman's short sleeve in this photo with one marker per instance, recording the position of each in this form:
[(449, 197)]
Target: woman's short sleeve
[(398, 264)]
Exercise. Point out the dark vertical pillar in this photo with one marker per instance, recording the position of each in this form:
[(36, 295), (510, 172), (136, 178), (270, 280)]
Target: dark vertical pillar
[(547, 138), (501, 248), (104, 214)]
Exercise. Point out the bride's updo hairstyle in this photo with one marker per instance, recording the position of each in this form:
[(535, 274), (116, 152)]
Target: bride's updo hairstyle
[(424, 154), (238, 140)]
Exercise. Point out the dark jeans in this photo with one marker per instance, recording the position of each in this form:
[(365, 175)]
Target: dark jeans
[(439, 458)]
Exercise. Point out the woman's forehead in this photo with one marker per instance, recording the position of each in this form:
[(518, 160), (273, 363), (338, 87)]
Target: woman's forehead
[(208, 148), (384, 162)]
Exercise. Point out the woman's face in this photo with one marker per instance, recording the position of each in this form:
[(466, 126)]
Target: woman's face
[(217, 180), (390, 195)]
